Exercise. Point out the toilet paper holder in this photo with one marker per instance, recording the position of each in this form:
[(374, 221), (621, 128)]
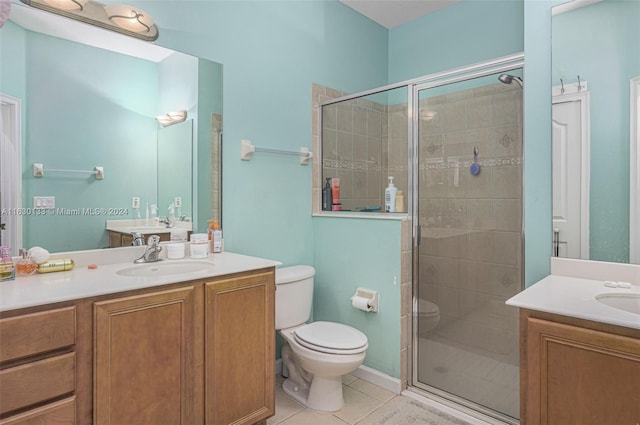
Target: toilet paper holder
[(370, 296)]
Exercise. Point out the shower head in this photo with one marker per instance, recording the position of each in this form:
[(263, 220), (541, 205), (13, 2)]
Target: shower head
[(509, 79)]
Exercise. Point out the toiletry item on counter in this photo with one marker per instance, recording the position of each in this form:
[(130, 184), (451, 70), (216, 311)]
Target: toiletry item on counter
[(390, 196), (327, 198), (60, 265), (335, 194), (216, 240), (199, 245), (210, 235), (400, 202), (25, 266), (39, 255), (175, 251), (7, 269)]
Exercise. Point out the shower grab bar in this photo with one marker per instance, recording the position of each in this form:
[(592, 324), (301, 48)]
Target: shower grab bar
[(247, 149), (38, 171)]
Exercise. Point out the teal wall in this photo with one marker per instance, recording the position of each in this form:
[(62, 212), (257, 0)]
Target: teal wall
[(586, 42), (13, 81), (87, 107), (462, 34), (352, 253)]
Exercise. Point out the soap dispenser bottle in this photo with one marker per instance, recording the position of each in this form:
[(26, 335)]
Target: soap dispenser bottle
[(390, 196), (327, 199)]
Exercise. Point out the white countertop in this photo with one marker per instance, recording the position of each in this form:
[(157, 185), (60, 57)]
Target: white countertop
[(82, 282), (575, 297), (145, 226)]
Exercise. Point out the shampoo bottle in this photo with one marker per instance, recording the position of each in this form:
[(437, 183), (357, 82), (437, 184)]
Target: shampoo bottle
[(390, 196), (327, 199)]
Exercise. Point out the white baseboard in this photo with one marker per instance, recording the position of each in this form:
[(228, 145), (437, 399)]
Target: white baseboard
[(378, 378)]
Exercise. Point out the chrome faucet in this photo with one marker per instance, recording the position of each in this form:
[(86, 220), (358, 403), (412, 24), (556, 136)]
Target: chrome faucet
[(167, 221), (152, 253), (138, 239)]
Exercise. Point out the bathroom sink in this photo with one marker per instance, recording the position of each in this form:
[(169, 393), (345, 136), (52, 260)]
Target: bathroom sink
[(626, 302), (164, 268)]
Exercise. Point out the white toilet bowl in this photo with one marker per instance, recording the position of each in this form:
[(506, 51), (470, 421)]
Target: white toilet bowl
[(315, 355), (322, 390), (428, 316)]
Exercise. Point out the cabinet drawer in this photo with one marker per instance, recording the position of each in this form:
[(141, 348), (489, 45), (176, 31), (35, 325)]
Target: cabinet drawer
[(62, 412), (36, 382), (36, 333)]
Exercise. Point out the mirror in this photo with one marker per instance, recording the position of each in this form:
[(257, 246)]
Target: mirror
[(595, 45), (88, 98)]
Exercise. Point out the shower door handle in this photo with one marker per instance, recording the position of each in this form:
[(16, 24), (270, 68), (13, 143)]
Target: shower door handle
[(418, 234)]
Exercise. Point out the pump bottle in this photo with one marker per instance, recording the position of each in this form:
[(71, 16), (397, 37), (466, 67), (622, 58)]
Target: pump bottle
[(390, 196)]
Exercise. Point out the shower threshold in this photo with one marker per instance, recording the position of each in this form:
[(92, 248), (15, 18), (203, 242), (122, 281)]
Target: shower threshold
[(470, 412)]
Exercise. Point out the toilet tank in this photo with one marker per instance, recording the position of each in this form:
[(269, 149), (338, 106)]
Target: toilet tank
[(294, 295)]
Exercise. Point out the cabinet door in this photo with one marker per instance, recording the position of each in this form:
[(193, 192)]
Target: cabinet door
[(581, 376), (144, 359), (239, 350)]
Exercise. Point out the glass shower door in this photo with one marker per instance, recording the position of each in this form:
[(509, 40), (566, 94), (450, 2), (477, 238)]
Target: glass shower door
[(469, 257)]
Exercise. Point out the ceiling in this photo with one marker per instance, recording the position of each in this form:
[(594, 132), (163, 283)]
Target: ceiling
[(391, 13)]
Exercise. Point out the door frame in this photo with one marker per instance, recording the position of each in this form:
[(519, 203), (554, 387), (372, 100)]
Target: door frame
[(573, 94), (12, 130), (634, 171)]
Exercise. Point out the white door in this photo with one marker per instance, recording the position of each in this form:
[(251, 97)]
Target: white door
[(570, 176), (10, 173)]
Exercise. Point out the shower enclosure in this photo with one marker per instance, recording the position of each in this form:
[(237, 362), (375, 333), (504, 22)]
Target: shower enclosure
[(453, 142)]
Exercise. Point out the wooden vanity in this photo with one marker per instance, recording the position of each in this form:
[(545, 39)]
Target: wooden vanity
[(576, 371), (192, 352)]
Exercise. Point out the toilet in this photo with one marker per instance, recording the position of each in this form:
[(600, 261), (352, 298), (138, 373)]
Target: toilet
[(428, 316), (315, 355)]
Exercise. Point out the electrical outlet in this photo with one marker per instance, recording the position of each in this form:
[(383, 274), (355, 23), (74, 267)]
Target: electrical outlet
[(177, 202), (135, 202), (44, 202)]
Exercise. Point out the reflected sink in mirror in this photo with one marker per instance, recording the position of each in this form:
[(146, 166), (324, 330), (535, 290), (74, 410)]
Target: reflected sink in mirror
[(626, 302), (164, 268)]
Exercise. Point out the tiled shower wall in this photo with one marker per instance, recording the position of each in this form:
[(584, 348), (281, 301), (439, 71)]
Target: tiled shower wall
[(471, 251), (364, 142), (216, 162)]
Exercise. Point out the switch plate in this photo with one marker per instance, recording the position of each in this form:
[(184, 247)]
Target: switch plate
[(177, 202), (135, 202), (44, 202)]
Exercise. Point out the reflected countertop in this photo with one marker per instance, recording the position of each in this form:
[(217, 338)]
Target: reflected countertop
[(82, 282)]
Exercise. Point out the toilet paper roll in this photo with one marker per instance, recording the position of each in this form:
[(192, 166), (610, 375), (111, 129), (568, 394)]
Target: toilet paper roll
[(360, 303)]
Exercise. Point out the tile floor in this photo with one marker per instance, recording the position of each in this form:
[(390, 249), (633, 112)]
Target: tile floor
[(364, 403)]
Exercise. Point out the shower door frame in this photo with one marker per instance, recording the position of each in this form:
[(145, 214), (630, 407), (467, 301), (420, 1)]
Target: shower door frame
[(503, 64)]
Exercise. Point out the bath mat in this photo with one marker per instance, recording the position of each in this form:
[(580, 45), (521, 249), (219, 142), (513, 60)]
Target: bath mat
[(405, 411)]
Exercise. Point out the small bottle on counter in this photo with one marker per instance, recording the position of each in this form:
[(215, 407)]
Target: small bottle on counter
[(25, 266), (60, 265), (7, 269)]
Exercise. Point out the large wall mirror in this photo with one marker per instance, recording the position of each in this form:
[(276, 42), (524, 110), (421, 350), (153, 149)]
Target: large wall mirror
[(89, 97), (596, 67)]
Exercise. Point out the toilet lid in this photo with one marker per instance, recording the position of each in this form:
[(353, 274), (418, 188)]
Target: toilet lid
[(330, 337)]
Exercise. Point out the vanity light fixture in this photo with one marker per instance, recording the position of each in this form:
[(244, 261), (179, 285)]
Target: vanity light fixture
[(171, 118), (127, 20)]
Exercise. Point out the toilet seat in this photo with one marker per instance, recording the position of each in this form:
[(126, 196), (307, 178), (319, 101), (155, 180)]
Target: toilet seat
[(331, 338), (427, 308)]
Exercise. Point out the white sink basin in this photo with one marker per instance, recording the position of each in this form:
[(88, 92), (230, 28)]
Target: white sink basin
[(626, 302), (164, 268)]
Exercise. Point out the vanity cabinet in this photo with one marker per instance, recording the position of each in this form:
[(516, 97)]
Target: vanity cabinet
[(144, 358), (239, 349), (195, 352), (38, 368), (119, 239), (578, 372)]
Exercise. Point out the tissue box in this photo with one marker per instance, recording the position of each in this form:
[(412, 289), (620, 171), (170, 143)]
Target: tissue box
[(7, 272)]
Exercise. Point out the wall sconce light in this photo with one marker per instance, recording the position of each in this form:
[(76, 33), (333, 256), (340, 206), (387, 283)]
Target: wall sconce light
[(127, 20), (171, 118)]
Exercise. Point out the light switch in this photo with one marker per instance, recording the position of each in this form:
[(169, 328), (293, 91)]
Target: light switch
[(44, 202)]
